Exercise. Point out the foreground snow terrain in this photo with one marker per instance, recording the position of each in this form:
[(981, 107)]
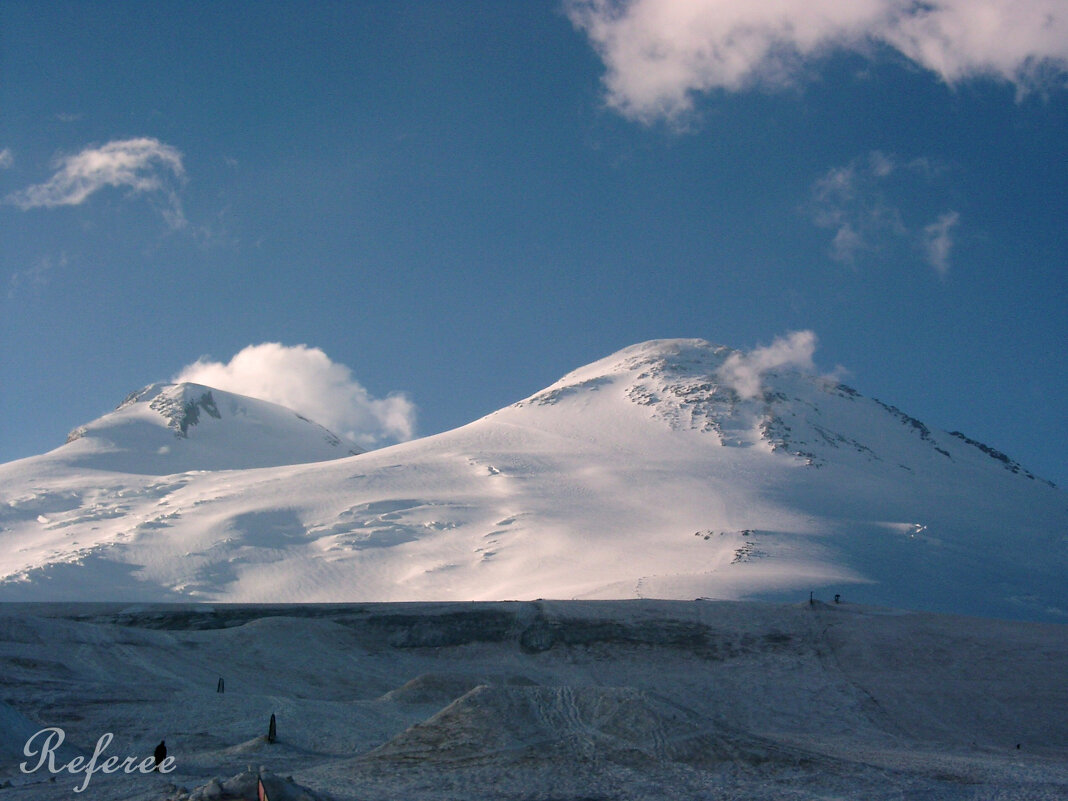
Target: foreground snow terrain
[(541, 700), (671, 469)]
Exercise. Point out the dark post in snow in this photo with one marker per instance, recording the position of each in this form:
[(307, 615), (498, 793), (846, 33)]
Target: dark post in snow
[(272, 730), (221, 686)]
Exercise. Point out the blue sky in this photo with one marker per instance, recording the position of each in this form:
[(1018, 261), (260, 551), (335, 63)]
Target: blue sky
[(436, 209)]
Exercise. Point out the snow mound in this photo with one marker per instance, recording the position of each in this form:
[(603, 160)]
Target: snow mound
[(563, 725)]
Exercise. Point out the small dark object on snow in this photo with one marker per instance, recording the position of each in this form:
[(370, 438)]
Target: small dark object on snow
[(221, 686), (837, 598), (272, 730), (160, 753), (811, 601)]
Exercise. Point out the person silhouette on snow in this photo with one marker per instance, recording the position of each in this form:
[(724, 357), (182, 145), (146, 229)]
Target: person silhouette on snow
[(160, 753)]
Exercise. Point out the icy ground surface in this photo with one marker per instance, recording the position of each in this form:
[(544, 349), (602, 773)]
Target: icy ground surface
[(556, 701)]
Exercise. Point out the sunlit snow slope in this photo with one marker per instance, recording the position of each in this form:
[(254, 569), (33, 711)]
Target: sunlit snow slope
[(172, 428), (644, 474)]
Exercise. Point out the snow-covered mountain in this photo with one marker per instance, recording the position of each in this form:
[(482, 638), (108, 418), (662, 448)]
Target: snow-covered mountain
[(174, 428), (669, 469)]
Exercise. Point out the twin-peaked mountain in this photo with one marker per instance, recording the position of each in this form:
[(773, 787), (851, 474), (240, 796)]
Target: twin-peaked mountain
[(655, 472)]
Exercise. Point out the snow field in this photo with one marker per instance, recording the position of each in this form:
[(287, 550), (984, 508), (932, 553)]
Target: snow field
[(544, 700)]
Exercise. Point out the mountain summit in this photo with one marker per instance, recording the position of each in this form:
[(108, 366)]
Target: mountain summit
[(673, 468), (173, 428), (742, 403)]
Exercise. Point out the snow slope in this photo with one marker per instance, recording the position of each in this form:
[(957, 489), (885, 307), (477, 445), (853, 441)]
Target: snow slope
[(653, 472), (174, 428), (537, 701)]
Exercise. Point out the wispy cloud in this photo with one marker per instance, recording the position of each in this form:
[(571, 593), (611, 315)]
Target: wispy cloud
[(142, 166), (856, 203), (34, 278), (744, 372), (850, 201), (7, 158), (938, 241), (306, 380), (659, 54)]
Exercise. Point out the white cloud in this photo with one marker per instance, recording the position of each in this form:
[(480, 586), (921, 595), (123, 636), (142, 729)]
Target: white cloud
[(7, 158), (743, 372), (1013, 40), (659, 53), (34, 278), (847, 244), (938, 241), (143, 166), (309, 382), (847, 199), (881, 164), (862, 203)]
